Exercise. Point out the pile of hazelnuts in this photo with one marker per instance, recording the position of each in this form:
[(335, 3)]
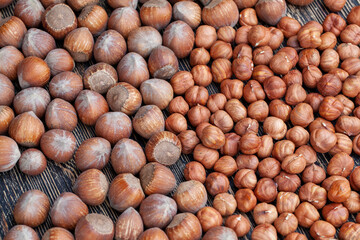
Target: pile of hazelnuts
[(261, 132)]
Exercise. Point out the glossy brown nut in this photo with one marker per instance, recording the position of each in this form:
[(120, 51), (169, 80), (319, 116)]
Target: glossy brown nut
[(287, 182), (331, 108), (282, 149), (258, 110), (216, 183), (186, 193), (295, 94), (248, 17), (269, 167), (249, 143), (245, 178), (93, 153), (266, 190), (306, 214), (247, 162), (349, 230), (195, 171), (209, 218), (253, 91), (280, 109), (289, 26), (313, 194), (162, 63), (298, 135), (261, 73), (246, 200), (226, 165), (239, 224), (246, 125), (313, 173), (242, 68), (350, 34), (287, 202), (302, 115), (274, 87)]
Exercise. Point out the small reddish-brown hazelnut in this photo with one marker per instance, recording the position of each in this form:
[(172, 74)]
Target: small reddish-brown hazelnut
[(157, 178), (225, 204), (12, 32), (246, 200), (33, 72), (189, 191), (264, 213)]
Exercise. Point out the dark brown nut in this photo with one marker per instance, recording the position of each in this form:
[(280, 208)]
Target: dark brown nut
[(239, 223), (287, 202), (246, 200), (306, 214), (334, 23), (266, 190), (328, 41), (181, 81), (349, 230), (248, 17), (286, 223), (232, 88), (313, 173), (295, 94), (320, 123), (135, 40), (353, 16), (159, 88), (339, 191), (351, 65), (199, 56), (293, 163), (309, 35), (247, 162), (288, 26), (246, 125), (245, 178), (292, 77), (354, 178), (282, 149), (276, 38), (80, 44), (287, 182), (206, 156), (241, 50), (262, 55), (329, 60), (202, 75), (348, 125), (302, 115), (225, 204), (188, 141), (216, 183), (12, 32), (322, 140), (221, 49), (298, 135), (314, 100), (353, 202), (330, 108), (242, 68), (180, 41), (348, 104), (343, 144), (323, 229), (205, 36), (148, 120), (231, 146), (162, 62), (258, 110), (311, 76), (221, 70), (266, 146), (279, 109), (198, 114), (309, 57), (340, 164), (259, 36), (226, 34), (195, 171), (249, 143), (110, 39), (351, 86), (270, 12), (347, 50), (274, 87), (269, 167), (261, 73), (265, 213), (152, 174), (241, 35), (335, 213), (253, 91), (37, 43), (351, 34), (275, 127), (226, 165), (209, 218)]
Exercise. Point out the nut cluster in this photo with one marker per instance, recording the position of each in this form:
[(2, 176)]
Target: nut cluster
[(277, 108)]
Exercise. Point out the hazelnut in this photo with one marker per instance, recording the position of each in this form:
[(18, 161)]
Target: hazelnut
[(328, 41), (124, 19), (159, 88), (334, 6), (351, 34), (241, 35), (247, 162), (264, 231), (354, 179), (157, 210), (322, 140), (275, 127), (225, 204), (329, 60), (245, 178), (216, 183), (10, 58), (124, 97), (67, 120), (262, 56), (295, 236), (322, 229), (330, 180), (302, 115), (261, 72), (239, 223), (242, 68), (249, 143), (113, 40), (59, 60), (6, 116), (54, 22), (293, 163), (313, 173), (289, 26), (148, 120), (221, 49), (353, 202), (221, 70), (340, 164), (279, 109), (195, 171), (253, 91), (21, 231), (309, 57), (67, 210), (226, 34), (258, 110), (266, 146), (353, 16), (37, 43), (12, 32), (189, 12), (245, 4), (320, 123), (7, 91), (300, 2), (181, 81), (330, 108), (270, 11), (286, 223), (218, 233), (209, 218), (66, 85), (198, 114), (351, 87), (205, 36), (93, 153), (343, 144), (100, 77), (58, 145), (306, 214), (349, 230), (269, 167), (57, 233), (259, 36), (351, 65), (33, 72), (176, 123), (339, 191), (31, 208), (287, 202), (311, 76), (184, 226), (9, 152), (124, 3), (274, 87), (32, 162), (266, 190), (309, 35), (79, 42), (276, 38), (220, 13), (232, 88), (293, 77), (236, 110), (248, 17), (188, 140), (157, 178), (264, 213), (314, 100), (132, 69), (156, 13), (135, 40), (94, 17), (77, 5), (199, 56), (282, 149), (246, 200), (287, 182), (179, 37), (125, 184), (95, 225), (226, 165), (348, 125), (202, 75), (129, 225), (335, 213), (26, 129), (196, 95), (153, 233), (347, 50), (190, 196), (298, 135), (216, 102)]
